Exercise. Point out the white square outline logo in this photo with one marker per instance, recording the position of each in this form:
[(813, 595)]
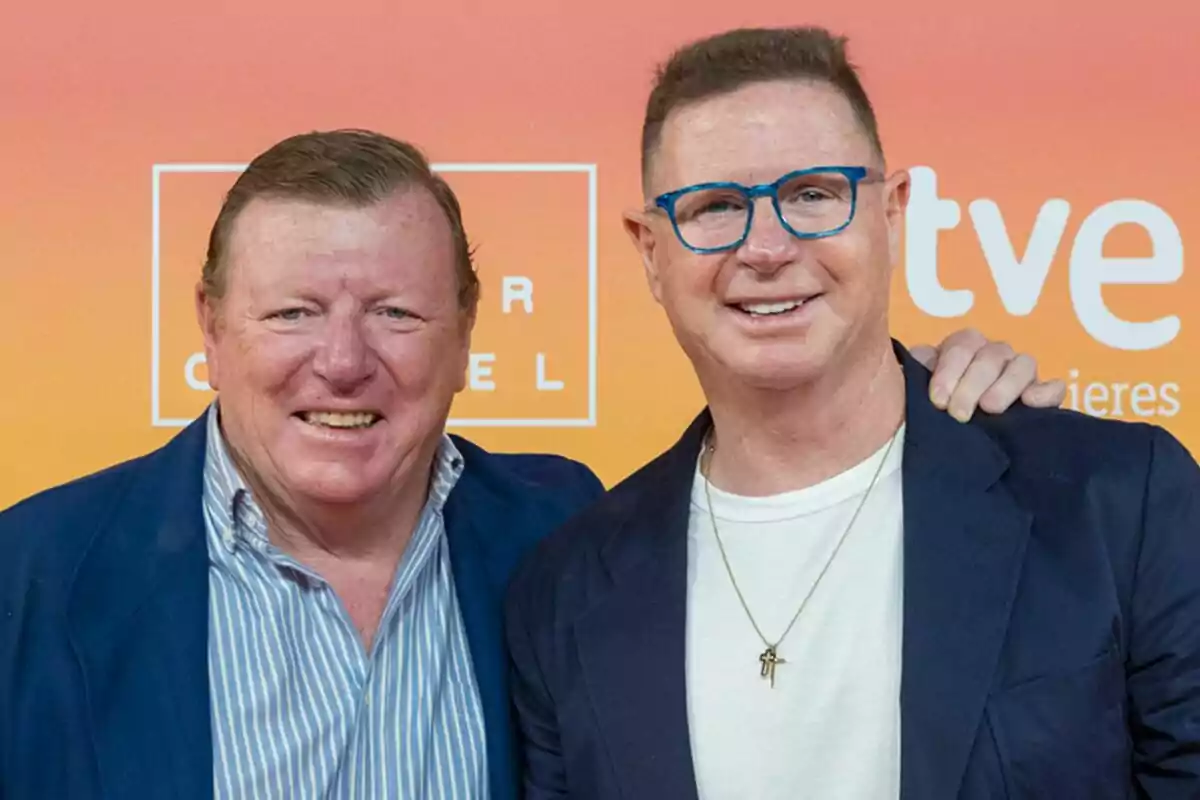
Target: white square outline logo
[(158, 170)]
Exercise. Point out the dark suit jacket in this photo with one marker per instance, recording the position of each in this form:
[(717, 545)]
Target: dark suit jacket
[(104, 687), (1051, 618)]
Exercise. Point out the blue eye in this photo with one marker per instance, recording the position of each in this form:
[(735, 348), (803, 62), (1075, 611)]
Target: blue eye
[(290, 314), (391, 312)]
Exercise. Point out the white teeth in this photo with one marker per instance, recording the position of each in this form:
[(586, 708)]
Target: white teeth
[(331, 419), (770, 308)]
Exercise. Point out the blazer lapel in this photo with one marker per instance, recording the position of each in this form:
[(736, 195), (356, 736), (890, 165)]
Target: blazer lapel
[(632, 643), (964, 543), (479, 580), (138, 619)]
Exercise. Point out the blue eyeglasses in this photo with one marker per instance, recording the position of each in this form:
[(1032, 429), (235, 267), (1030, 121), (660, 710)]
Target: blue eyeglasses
[(810, 203)]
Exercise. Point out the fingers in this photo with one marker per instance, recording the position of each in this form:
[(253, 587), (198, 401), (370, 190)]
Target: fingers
[(1045, 394), (955, 354), (995, 371), (926, 354), (970, 372), (1017, 375)]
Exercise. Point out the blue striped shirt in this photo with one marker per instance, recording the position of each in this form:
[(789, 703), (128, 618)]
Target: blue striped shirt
[(299, 710)]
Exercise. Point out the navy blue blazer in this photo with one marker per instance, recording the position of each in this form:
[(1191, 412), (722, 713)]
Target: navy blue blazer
[(104, 619), (1051, 618)]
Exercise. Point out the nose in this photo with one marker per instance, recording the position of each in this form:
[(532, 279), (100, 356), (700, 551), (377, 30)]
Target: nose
[(768, 245), (345, 359)]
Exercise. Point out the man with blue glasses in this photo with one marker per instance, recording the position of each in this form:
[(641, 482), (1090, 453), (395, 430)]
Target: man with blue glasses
[(828, 588)]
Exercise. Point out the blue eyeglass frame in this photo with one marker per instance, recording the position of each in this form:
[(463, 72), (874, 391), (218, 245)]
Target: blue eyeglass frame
[(855, 175)]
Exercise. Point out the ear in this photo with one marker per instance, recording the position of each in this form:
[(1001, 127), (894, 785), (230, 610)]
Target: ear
[(895, 200), (639, 225), (208, 316)]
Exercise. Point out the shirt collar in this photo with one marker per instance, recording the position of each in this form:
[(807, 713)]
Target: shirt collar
[(240, 519)]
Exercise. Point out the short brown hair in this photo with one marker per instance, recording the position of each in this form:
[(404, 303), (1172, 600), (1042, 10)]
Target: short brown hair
[(728, 61), (354, 167)]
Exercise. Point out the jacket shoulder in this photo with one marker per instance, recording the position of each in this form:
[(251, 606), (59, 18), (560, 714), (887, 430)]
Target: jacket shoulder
[(61, 510), (47, 533), (534, 492), (1113, 480), (1067, 444), (534, 471), (574, 548), (45, 537)]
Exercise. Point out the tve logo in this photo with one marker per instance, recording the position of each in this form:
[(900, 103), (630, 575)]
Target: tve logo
[(1019, 280)]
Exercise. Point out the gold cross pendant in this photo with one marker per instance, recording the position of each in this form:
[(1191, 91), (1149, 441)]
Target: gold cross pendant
[(769, 659)]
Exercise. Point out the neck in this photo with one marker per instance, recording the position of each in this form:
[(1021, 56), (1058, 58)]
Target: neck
[(377, 532), (374, 531), (773, 441)]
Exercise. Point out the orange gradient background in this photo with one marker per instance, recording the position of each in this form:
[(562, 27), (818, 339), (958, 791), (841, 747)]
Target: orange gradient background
[(1017, 102)]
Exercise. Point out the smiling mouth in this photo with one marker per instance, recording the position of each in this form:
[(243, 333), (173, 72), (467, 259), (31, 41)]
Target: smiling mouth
[(773, 309), (340, 420)]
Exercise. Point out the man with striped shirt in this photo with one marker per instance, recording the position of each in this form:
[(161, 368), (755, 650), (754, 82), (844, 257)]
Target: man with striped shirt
[(300, 595), (300, 708)]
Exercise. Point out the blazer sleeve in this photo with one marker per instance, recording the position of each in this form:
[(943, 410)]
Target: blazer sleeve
[(543, 770), (1163, 670)]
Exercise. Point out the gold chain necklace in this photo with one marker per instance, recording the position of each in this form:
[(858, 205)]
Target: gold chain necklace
[(769, 658)]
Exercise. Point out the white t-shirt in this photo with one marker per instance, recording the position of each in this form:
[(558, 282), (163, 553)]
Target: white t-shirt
[(830, 728)]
